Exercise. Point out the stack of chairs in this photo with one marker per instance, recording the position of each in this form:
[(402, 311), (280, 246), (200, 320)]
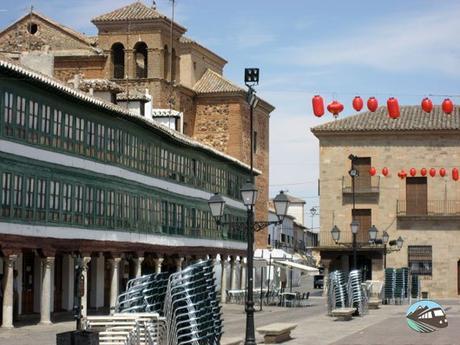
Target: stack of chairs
[(356, 293), (144, 294), (191, 308), (401, 284), (390, 285), (337, 291)]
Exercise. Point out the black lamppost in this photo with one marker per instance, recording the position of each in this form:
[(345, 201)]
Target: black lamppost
[(394, 245), (354, 224), (249, 196), (335, 233)]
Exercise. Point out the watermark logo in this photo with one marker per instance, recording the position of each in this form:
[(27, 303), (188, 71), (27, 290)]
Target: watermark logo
[(426, 317)]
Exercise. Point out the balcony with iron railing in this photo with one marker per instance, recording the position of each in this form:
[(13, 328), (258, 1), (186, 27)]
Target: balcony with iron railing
[(432, 209), (346, 237), (369, 185)]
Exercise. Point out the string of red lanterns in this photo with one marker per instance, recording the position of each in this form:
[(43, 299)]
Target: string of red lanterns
[(335, 107), (413, 172)]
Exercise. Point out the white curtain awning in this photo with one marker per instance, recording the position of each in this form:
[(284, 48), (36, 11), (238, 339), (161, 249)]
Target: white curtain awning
[(309, 269)]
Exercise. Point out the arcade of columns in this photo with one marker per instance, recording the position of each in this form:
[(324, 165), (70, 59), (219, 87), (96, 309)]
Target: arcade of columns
[(46, 289)]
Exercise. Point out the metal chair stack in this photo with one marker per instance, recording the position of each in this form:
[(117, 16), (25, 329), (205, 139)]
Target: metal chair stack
[(415, 286), (401, 284), (191, 307), (390, 285), (337, 291), (144, 294), (356, 293)]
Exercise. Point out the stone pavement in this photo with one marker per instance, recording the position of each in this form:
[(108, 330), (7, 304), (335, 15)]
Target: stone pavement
[(383, 326)]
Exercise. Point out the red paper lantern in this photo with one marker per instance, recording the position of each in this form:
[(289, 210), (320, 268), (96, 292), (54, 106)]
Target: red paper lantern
[(372, 104), (412, 172), (318, 105), (432, 172), (427, 105), (442, 172), (447, 106), (385, 171), (393, 108), (423, 172), (402, 174), (372, 171), (455, 174), (335, 108), (358, 103)]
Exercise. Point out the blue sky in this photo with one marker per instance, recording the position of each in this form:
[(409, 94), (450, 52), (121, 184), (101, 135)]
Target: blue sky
[(406, 49)]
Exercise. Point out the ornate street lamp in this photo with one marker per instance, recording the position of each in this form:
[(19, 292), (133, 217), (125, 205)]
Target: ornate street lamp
[(335, 232), (249, 195), (399, 242), (385, 237), (373, 233)]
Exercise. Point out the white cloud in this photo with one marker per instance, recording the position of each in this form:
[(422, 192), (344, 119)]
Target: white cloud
[(409, 41)]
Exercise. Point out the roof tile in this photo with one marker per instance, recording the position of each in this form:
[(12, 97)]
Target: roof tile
[(134, 11), (412, 118), (212, 82)]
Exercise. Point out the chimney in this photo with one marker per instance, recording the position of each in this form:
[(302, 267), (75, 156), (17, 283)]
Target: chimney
[(42, 62)]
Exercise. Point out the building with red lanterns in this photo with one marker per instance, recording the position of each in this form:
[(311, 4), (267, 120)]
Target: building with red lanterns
[(407, 187)]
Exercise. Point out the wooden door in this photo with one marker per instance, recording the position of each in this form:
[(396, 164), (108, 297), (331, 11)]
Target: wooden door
[(363, 180), (364, 217), (416, 196), (28, 283), (458, 277)]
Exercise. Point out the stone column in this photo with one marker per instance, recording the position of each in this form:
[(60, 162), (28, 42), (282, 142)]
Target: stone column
[(8, 290), (155, 63), (179, 262), (138, 266), (243, 282), (46, 290), (129, 63), (158, 263), (115, 263), (84, 298), (233, 281), (223, 280)]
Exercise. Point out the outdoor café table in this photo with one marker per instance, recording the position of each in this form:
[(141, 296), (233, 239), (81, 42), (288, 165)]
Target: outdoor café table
[(236, 296), (283, 296)]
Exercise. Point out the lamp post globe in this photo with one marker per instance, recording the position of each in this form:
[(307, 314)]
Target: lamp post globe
[(399, 242), (335, 232), (249, 194), (281, 203), (354, 227), (217, 205), (385, 237), (373, 233)]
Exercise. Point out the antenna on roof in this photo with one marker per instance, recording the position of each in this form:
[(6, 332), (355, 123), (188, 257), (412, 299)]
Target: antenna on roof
[(29, 28)]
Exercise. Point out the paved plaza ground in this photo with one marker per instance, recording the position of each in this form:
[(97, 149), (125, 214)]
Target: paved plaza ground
[(384, 326)]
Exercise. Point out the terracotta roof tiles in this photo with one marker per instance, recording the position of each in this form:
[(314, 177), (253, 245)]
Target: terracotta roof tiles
[(212, 82), (134, 11), (412, 118)]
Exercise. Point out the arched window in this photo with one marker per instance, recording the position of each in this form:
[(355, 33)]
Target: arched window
[(118, 61), (140, 59), (166, 62)]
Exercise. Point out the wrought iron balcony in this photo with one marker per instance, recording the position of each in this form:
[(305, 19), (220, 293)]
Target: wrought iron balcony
[(429, 210), (369, 185)]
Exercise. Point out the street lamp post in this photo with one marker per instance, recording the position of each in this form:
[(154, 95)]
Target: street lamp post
[(354, 224), (249, 195), (394, 245)]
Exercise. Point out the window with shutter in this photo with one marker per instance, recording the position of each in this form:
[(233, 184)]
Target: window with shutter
[(420, 259)]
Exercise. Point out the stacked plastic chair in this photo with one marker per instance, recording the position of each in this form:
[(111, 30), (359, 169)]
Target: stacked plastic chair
[(401, 284), (357, 297), (337, 291), (191, 307), (390, 285), (144, 294), (415, 287)]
